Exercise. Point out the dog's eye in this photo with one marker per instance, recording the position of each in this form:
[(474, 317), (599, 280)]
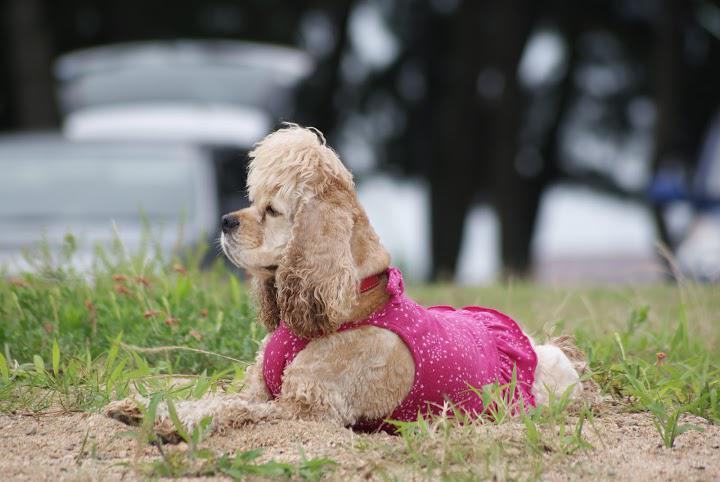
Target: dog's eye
[(270, 211)]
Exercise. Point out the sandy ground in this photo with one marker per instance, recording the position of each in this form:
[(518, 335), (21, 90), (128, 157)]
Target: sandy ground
[(82, 446)]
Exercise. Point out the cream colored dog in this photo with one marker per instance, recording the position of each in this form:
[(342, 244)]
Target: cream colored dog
[(307, 243)]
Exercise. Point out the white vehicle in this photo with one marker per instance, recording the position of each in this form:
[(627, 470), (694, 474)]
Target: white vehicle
[(50, 187), (222, 95)]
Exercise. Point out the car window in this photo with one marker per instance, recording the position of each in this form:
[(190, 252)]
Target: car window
[(206, 85), (46, 190)]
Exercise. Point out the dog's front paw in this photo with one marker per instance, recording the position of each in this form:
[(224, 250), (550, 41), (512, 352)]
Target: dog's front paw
[(165, 430), (125, 411), (128, 412)]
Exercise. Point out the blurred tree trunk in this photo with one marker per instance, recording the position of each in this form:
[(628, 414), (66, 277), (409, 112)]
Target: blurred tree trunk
[(686, 81), (5, 85), (670, 26), (469, 131), (457, 158), (318, 96), (517, 196), (30, 53)]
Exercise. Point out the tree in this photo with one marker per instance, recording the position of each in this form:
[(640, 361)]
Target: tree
[(28, 54)]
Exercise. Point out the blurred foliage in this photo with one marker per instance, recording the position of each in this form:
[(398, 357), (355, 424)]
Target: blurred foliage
[(442, 89)]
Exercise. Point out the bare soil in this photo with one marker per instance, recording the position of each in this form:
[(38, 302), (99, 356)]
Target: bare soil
[(626, 446)]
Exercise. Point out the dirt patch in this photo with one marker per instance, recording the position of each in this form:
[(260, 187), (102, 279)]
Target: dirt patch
[(626, 446)]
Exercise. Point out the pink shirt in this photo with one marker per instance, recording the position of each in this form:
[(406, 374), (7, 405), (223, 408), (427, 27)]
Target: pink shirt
[(452, 349)]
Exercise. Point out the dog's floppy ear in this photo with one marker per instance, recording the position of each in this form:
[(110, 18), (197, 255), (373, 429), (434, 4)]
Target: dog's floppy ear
[(317, 280), (265, 294)]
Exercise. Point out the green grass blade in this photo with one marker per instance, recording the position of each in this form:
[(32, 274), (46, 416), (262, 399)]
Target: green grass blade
[(4, 370), (55, 358), (112, 354), (176, 421), (620, 344), (114, 376), (39, 364)]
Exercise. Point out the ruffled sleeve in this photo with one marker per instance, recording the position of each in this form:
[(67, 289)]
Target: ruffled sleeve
[(514, 351)]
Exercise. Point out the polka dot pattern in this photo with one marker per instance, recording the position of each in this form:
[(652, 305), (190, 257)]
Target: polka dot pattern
[(453, 350)]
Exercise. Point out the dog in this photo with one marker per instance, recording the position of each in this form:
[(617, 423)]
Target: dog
[(345, 344)]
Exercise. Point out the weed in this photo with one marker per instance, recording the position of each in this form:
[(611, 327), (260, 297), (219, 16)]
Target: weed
[(197, 461)]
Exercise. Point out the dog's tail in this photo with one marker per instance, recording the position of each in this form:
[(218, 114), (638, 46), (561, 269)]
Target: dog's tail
[(567, 344)]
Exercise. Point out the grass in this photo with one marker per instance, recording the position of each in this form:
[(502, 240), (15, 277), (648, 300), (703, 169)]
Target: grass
[(199, 462), (165, 328)]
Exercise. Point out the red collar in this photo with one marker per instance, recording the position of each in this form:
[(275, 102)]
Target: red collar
[(369, 283)]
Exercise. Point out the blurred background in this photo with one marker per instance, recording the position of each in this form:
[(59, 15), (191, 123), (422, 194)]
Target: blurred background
[(558, 140)]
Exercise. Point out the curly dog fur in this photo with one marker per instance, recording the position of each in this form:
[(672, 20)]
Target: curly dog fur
[(306, 243)]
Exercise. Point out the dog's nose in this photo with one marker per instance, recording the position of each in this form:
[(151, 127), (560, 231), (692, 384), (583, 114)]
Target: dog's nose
[(229, 222)]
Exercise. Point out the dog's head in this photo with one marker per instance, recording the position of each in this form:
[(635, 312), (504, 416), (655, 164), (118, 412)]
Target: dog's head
[(305, 240)]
